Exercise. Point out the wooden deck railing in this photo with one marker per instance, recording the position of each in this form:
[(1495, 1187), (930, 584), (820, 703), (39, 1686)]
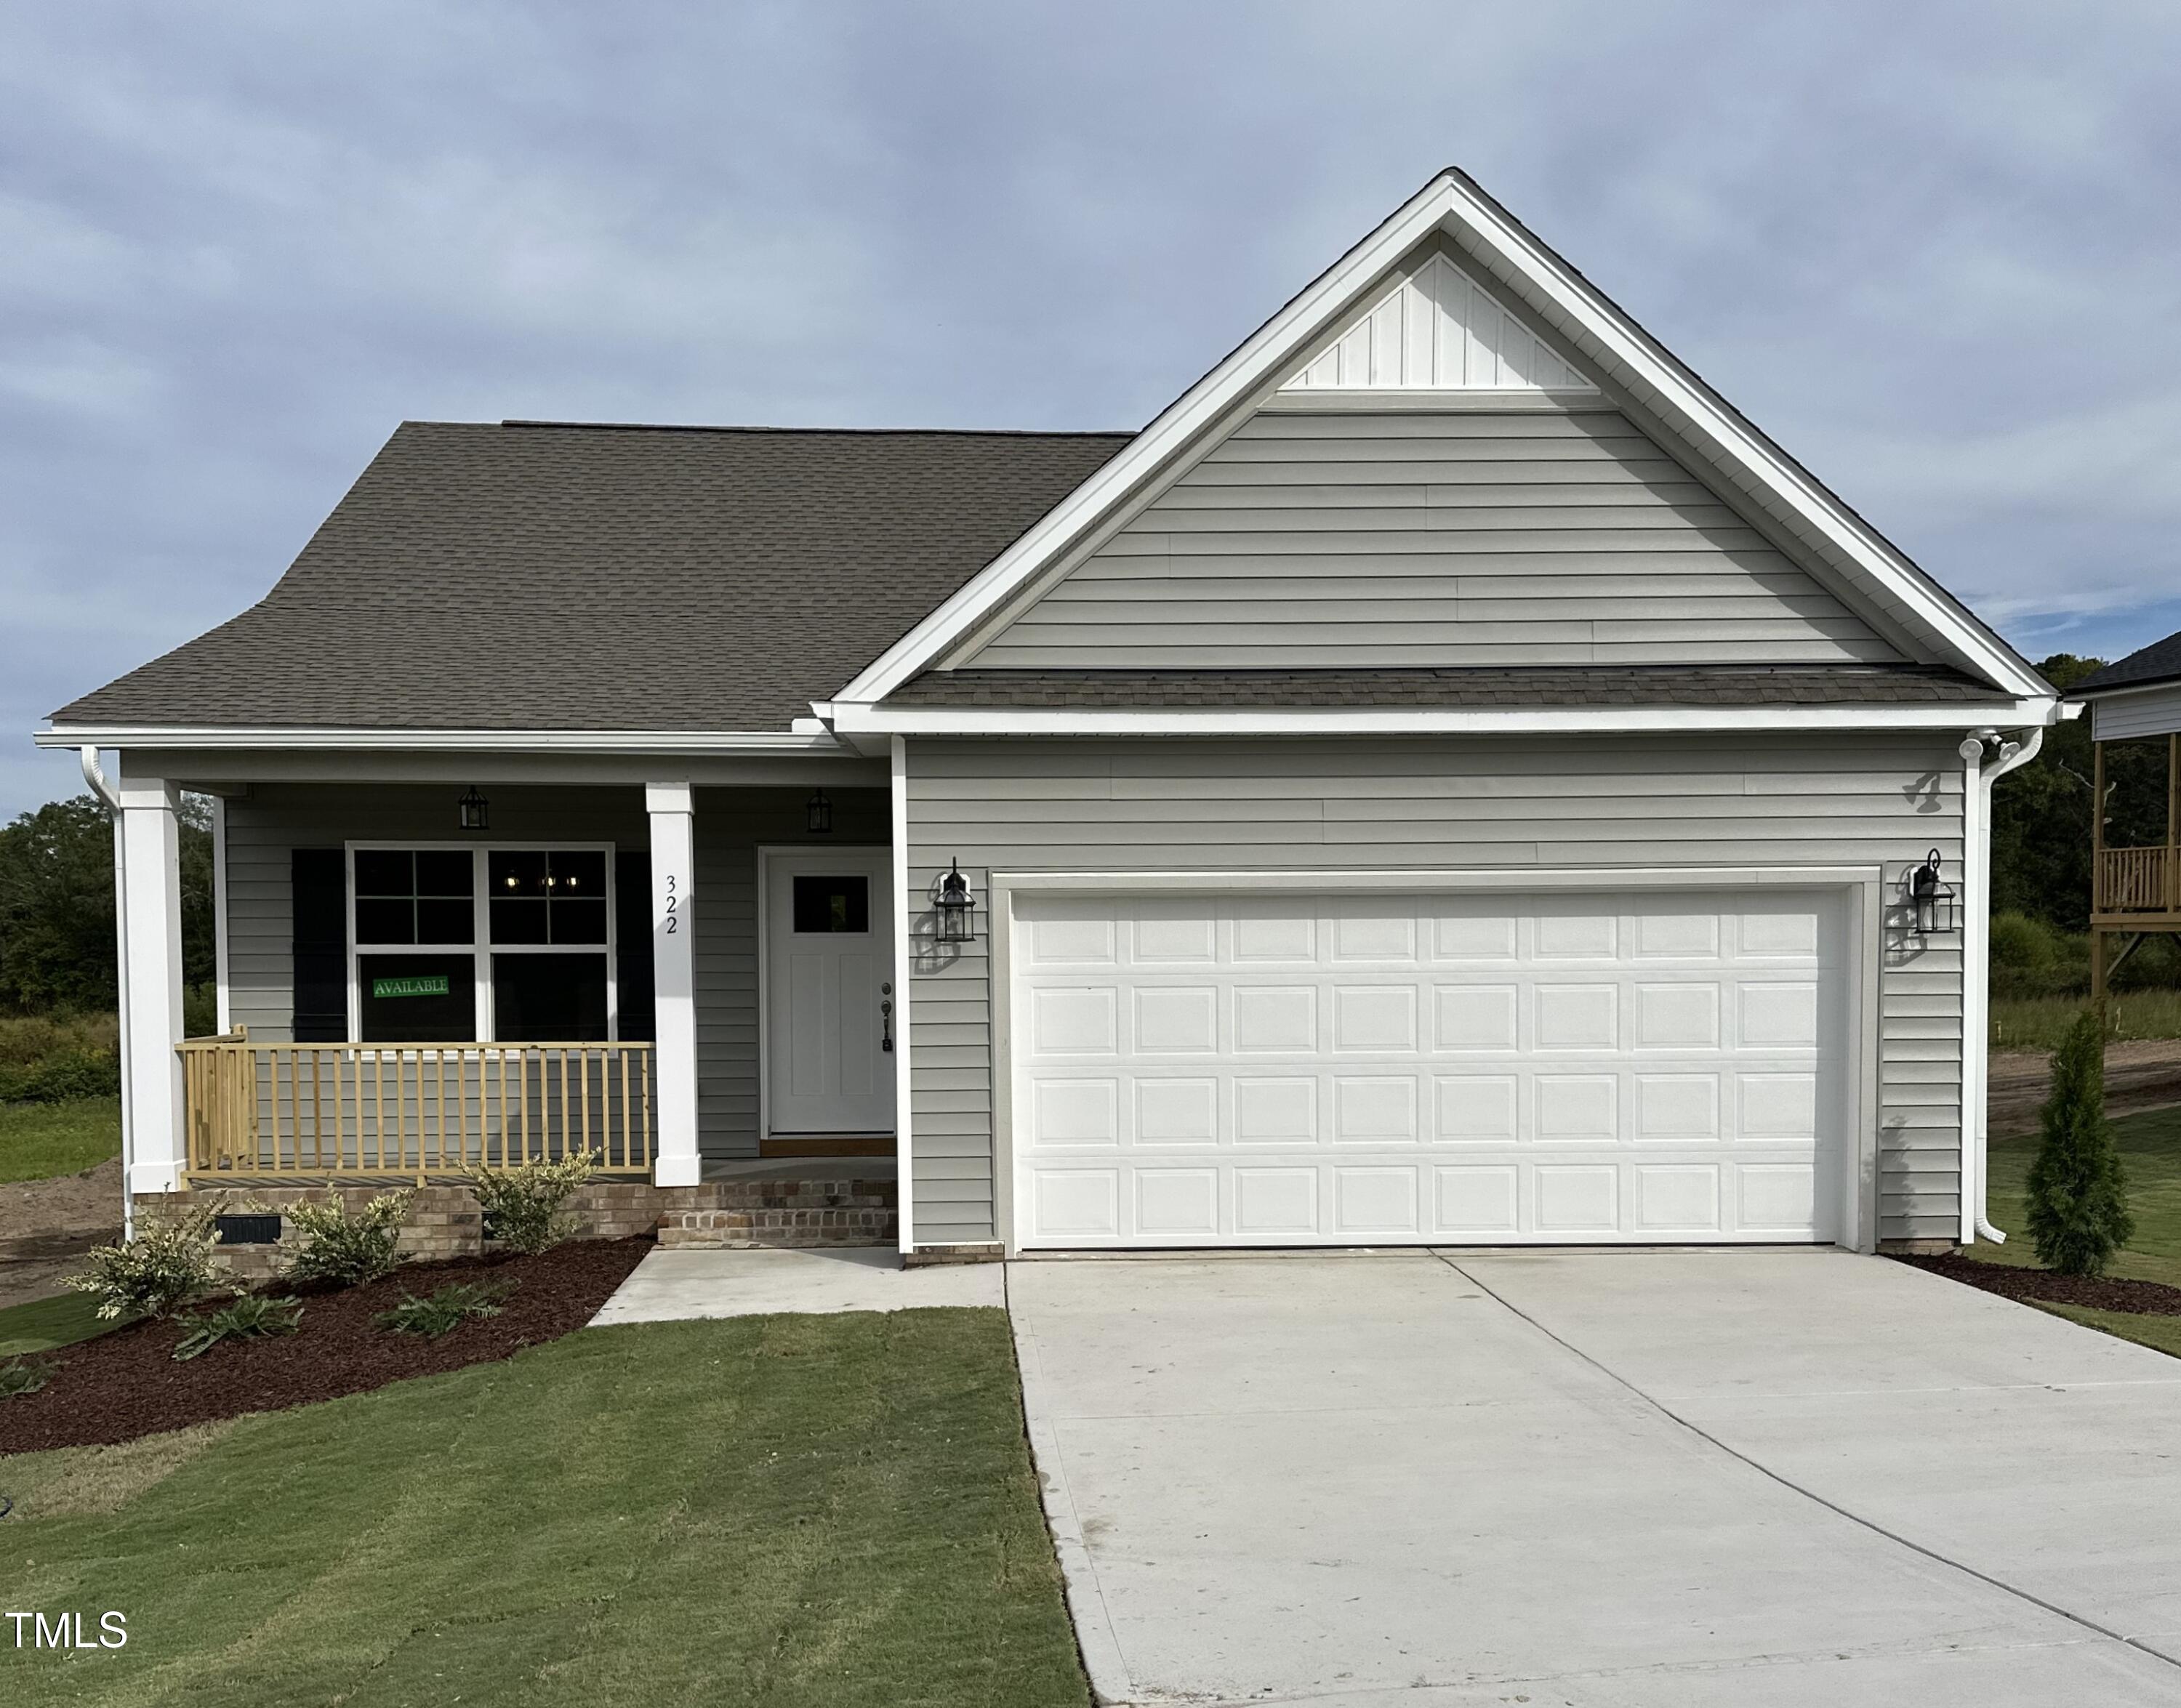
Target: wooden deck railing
[(2135, 880), (411, 1110)]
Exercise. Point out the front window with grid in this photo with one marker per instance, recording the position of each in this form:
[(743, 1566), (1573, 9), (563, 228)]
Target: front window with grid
[(506, 945)]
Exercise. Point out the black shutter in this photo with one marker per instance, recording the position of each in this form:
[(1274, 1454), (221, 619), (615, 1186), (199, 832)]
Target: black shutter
[(633, 942), (317, 887)]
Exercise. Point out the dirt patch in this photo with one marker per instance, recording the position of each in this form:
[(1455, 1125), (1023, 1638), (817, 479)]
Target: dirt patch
[(54, 1218), (2140, 1074), (2137, 1297), (127, 1384)]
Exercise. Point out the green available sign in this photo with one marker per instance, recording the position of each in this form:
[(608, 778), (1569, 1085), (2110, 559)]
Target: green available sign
[(425, 984)]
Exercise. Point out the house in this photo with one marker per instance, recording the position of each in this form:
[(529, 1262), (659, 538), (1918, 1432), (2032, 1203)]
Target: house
[(1450, 778), (2136, 888)]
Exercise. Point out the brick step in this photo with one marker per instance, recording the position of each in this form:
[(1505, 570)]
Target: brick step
[(805, 1228)]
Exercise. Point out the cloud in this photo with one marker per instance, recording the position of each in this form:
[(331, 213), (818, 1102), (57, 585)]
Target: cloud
[(1933, 250)]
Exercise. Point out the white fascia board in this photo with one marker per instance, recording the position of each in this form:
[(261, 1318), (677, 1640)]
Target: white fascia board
[(231, 737), (1283, 337), (927, 720), (1251, 363)]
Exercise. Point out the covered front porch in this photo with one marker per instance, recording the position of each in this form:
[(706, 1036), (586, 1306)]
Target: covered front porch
[(428, 962)]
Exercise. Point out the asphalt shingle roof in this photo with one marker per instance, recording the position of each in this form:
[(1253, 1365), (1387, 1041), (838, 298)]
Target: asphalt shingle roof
[(2159, 662), (547, 576), (1576, 684)]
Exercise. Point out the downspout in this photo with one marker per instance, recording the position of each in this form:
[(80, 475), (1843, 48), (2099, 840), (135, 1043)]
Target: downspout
[(1976, 967), (105, 791)]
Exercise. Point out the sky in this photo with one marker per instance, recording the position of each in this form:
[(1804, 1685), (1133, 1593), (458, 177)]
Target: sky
[(1933, 250)]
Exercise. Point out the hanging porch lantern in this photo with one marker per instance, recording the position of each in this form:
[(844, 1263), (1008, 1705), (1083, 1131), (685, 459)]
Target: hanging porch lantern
[(955, 906), (473, 807), (1930, 900), (817, 814)]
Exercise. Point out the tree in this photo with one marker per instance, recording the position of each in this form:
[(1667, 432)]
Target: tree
[(2078, 1213), (57, 948), (2040, 819)]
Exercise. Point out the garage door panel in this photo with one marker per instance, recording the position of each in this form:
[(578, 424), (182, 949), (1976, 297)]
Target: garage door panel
[(1296, 1069)]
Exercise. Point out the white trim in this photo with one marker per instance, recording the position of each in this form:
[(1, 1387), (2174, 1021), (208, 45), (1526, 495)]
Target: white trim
[(222, 738), (1255, 366), (903, 969), (1860, 887), (481, 948), (941, 720), (222, 1009), (767, 853)]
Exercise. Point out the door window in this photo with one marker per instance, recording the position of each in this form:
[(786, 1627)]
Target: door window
[(828, 906)]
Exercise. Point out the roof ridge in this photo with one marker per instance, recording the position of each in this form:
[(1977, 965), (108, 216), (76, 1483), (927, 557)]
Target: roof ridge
[(868, 432)]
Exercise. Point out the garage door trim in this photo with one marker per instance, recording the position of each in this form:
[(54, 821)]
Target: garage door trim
[(1862, 888)]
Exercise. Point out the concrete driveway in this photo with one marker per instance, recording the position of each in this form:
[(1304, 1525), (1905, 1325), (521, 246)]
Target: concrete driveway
[(1687, 1478)]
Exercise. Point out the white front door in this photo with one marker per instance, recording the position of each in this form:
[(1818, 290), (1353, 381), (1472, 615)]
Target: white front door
[(1368, 1069), (829, 997)]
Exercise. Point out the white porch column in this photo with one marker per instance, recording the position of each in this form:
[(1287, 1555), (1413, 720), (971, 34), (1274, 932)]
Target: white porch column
[(674, 980), (151, 902)]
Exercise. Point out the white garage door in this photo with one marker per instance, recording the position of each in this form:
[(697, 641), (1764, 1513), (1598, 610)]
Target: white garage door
[(1295, 1069)]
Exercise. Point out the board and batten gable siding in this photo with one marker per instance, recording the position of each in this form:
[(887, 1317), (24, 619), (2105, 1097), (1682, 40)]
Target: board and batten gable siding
[(266, 825), (1422, 803), (1420, 538)]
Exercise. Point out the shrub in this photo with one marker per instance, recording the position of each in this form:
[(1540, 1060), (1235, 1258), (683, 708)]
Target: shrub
[(252, 1317), (2078, 1213), (525, 1206), (449, 1307), (61, 1076), (336, 1249), (17, 1377), (168, 1264)]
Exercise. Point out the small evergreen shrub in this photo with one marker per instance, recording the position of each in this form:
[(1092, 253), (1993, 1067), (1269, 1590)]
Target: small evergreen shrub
[(333, 1248), (447, 1309), (2078, 1214), (18, 1376), (526, 1206), (252, 1317), (167, 1265)]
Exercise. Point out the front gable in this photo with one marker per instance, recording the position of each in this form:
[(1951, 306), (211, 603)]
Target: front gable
[(1436, 484), (1449, 451)]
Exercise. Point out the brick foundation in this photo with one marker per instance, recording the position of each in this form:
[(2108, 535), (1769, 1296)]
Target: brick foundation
[(1916, 1247), (789, 1210), (926, 1256)]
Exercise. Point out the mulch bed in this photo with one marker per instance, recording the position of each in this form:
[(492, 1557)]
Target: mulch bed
[(2138, 1297), (127, 1383)]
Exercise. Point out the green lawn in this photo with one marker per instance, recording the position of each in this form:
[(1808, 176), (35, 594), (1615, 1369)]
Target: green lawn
[(2151, 1150), (44, 1324), (785, 1511), (39, 1140)]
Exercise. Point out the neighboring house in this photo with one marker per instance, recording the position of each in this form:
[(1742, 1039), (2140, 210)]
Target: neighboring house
[(2133, 890), (1451, 777)]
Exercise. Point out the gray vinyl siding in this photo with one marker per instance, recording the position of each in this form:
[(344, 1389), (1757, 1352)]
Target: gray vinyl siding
[(1023, 806), (2132, 717), (264, 826), (1420, 538)]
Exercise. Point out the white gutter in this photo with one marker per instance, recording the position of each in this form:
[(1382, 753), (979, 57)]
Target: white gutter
[(855, 717), (88, 757), (229, 737), (1976, 971)]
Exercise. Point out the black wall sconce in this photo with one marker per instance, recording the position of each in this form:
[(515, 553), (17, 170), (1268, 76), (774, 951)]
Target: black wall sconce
[(473, 810), (956, 908), (817, 814), (1930, 901)]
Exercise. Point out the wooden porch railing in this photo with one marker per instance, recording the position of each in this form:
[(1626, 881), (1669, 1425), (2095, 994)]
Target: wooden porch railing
[(411, 1110), (2135, 880)]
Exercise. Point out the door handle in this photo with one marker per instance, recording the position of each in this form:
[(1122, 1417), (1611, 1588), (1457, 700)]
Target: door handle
[(885, 1019)]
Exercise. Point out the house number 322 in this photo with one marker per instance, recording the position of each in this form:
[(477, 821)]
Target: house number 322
[(673, 905)]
